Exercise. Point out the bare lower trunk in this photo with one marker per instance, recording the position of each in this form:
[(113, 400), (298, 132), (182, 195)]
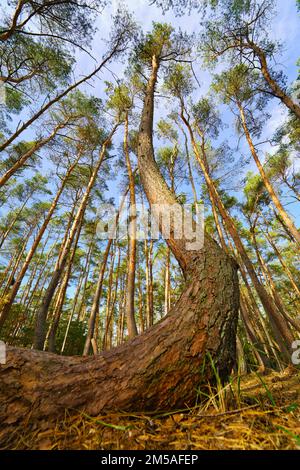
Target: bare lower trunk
[(286, 338), (130, 288), (56, 275), (160, 369)]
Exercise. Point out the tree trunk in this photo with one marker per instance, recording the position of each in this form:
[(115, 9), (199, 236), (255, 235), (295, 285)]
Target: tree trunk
[(56, 275), (277, 333), (64, 287), (167, 299), (118, 46), (273, 290), (108, 310), (276, 89), (279, 207), (162, 368), (267, 302), (140, 303), (20, 277), (262, 359), (283, 263), (130, 289)]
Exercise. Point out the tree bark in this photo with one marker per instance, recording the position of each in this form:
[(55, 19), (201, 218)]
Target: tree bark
[(56, 275), (14, 291), (162, 368), (279, 207), (267, 302), (130, 288), (276, 89)]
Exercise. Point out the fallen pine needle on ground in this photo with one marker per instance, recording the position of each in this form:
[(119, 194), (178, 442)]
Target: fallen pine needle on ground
[(254, 412)]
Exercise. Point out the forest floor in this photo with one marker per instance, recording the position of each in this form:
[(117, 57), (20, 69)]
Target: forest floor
[(253, 412)]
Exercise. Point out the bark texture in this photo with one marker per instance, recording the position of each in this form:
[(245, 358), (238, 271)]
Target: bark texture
[(160, 369)]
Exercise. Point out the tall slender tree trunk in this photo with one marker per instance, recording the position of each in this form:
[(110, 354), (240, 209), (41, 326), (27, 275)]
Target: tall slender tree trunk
[(280, 343), (266, 301), (35, 269), (269, 280), (256, 342), (31, 252), (283, 263), (188, 160), (140, 303), (279, 207), (257, 346), (58, 310), (118, 45), (85, 271), (40, 331), (130, 290), (7, 270), (108, 310), (167, 300), (256, 317)]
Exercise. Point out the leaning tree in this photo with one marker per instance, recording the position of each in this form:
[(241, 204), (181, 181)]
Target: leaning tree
[(167, 365)]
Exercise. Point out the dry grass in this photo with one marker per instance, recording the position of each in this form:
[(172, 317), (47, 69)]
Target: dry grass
[(253, 413)]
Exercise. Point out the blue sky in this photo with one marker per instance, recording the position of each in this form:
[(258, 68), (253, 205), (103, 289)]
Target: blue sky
[(285, 28)]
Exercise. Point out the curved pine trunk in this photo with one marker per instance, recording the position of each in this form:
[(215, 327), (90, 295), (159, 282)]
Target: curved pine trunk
[(160, 369), (163, 368)]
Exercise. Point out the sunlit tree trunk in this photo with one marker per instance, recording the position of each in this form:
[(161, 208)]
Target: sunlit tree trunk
[(167, 300), (267, 302), (99, 287), (274, 86), (64, 287), (279, 207), (108, 309), (130, 288), (31, 252), (85, 270), (160, 369), (56, 275)]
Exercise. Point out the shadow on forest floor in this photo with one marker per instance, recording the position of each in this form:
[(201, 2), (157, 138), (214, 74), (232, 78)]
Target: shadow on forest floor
[(252, 412)]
